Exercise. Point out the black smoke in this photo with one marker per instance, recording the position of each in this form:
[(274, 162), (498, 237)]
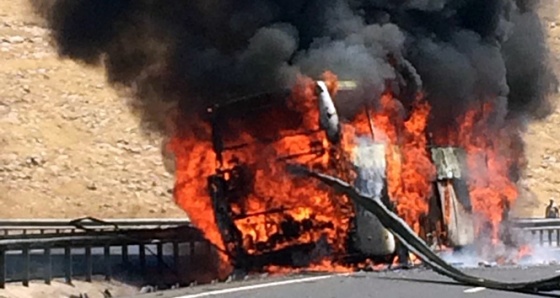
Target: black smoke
[(194, 53)]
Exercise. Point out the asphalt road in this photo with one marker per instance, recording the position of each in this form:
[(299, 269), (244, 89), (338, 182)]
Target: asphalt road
[(416, 283)]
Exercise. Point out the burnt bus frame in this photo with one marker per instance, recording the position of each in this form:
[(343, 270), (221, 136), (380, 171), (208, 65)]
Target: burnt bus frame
[(242, 261), (217, 188)]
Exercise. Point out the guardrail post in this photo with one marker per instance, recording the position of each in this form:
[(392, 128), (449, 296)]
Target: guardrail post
[(48, 265), (26, 265), (2, 268), (541, 237), (107, 257), (159, 249), (142, 256), (68, 265), (192, 251), (177, 261), (89, 264), (124, 252)]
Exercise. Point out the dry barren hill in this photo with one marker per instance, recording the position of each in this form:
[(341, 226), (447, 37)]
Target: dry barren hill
[(543, 138), (69, 146)]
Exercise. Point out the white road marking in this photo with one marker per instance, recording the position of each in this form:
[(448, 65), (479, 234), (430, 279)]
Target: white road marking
[(260, 286), (474, 290)]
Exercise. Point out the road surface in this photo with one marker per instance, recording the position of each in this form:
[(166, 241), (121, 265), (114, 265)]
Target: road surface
[(416, 283)]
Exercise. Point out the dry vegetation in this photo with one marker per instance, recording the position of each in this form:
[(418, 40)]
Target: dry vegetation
[(70, 147)]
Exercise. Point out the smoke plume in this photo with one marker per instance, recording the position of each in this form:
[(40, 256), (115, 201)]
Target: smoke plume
[(197, 53)]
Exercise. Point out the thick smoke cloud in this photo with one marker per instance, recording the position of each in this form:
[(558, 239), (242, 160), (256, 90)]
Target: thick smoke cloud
[(195, 53)]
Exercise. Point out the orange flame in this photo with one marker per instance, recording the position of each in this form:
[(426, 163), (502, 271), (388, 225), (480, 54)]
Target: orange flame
[(417, 171), (409, 167), (274, 197), (192, 162), (489, 151)]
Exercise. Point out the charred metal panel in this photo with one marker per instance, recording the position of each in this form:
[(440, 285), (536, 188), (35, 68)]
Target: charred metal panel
[(371, 237), (447, 163), (453, 194), (459, 221), (370, 156), (217, 188)]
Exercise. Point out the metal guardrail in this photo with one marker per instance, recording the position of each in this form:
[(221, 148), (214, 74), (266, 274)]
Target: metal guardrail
[(540, 231), (58, 226), (89, 246), (47, 248), (536, 222)]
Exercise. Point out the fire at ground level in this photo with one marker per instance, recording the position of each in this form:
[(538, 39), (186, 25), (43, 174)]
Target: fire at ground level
[(453, 188), (411, 241)]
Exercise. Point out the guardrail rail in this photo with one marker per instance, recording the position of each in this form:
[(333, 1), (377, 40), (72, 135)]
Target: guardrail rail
[(50, 248), (32, 249), (540, 231), (42, 226)]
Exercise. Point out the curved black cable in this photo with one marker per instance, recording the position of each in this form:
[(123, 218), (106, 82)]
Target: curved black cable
[(402, 231)]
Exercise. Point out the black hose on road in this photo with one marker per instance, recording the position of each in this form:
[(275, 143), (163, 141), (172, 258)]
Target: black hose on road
[(406, 235)]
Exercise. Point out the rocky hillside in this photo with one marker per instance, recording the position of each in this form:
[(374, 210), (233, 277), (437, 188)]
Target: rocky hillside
[(543, 138), (69, 146)]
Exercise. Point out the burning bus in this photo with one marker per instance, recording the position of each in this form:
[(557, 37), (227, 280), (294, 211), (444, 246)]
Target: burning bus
[(266, 217), (446, 163)]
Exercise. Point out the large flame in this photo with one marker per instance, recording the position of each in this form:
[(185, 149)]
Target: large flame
[(490, 158), (275, 198), (410, 171), (193, 164)]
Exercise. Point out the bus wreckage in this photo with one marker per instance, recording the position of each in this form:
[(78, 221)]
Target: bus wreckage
[(368, 238), (409, 239), (376, 232)]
